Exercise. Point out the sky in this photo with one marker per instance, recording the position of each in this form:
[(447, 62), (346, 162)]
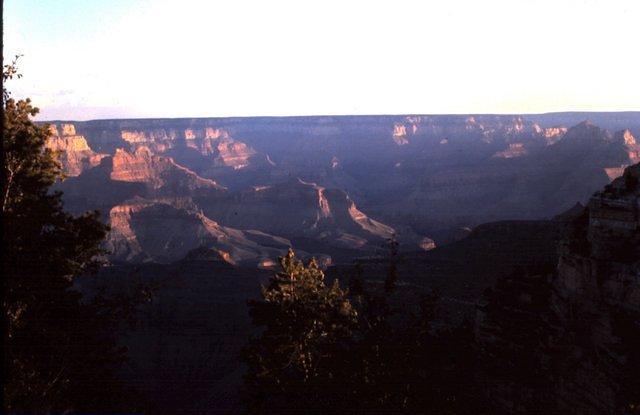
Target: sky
[(92, 59)]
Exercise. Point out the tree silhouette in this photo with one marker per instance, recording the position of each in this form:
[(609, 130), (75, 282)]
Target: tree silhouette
[(323, 349), (295, 363), (57, 354)]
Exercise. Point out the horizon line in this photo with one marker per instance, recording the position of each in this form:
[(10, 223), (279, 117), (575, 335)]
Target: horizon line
[(575, 112)]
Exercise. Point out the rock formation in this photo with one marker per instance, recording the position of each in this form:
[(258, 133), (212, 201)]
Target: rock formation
[(197, 206), (157, 171), (143, 230), (568, 340), (300, 209), (400, 134), (427, 176), (74, 152), (596, 292), (212, 143), (514, 150)]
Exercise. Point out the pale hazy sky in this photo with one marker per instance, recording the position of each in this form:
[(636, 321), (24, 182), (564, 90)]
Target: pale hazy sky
[(86, 59)]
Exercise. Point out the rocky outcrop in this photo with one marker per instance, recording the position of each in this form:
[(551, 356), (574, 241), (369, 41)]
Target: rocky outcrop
[(73, 150), (122, 241), (148, 136), (156, 171), (514, 150), (427, 244), (213, 143), (597, 289), (551, 134), (400, 134), (614, 218), (234, 154), (626, 137), (488, 129), (300, 209), (161, 231), (574, 332), (225, 151), (629, 143)]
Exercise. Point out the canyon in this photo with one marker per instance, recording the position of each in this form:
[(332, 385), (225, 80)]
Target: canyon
[(553, 306), (73, 150), (497, 214), (334, 187)]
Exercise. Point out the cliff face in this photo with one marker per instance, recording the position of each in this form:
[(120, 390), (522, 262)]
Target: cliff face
[(577, 330), (200, 213), (300, 209), (214, 144), (597, 287), (533, 180), (74, 151), (145, 167), (163, 231), (487, 128), (425, 176)]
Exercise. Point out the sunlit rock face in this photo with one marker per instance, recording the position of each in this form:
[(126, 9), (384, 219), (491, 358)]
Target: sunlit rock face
[(148, 136), (232, 154), (214, 144), (68, 129), (122, 241), (551, 134), (514, 150), (498, 131), (133, 137), (400, 134), (629, 143), (427, 244), (225, 151), (73, 150), (215, 133), (142, 166), (148, 230), (189, 134), (158, 140)]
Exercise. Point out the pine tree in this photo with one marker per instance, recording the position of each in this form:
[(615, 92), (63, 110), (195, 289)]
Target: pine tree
[(57, 356), (296, 363), (323, 349)]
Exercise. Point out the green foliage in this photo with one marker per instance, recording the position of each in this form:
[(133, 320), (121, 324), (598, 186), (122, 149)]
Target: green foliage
[(295, 363), (57, 356), (323, 349), (9, 71)]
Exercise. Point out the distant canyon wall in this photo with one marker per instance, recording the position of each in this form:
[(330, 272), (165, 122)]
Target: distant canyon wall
[(419, 177)]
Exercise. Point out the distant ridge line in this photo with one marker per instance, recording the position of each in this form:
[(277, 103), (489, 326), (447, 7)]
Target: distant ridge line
[(363, 116)]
